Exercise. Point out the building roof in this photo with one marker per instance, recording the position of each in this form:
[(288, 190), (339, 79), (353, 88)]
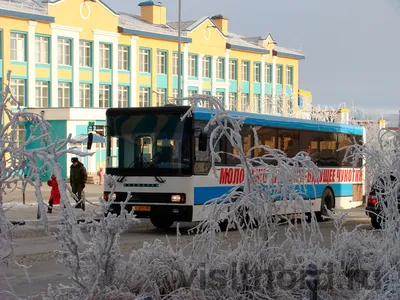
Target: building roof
[(133, 24), (286, 52), (29, 6), (25, 9), (185, 25), (234, 40), (239, 42)]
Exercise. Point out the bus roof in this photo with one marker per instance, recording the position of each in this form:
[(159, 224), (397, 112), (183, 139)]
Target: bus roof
[(251, 118), (284, 122)]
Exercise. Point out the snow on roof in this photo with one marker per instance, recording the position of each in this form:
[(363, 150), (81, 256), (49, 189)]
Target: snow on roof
[(28, 6), (238, 40), (288, 51), (134, 22)]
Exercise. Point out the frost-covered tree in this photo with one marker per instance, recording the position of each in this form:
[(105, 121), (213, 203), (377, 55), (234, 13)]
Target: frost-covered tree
[(25, 162), (259, 266)]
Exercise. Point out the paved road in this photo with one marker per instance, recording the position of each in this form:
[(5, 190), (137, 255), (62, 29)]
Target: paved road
[(33, 248)]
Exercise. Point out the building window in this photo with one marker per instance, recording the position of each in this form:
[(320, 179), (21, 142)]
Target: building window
[(144, 60), (42, 49), (268, 73), (64, 94), (144, 97), (123, 96), (232, 70), (245, 71), (84, 54), (245, 102), (256, 103), (232, 101), (220, 96), (20, 135), (191, 93), (160, 100), (220, 68), (206, 67), (104, 95), (17, 46), (175, 93), (289, 75), (256, 71), (105, 54), (64, 52), (204, 102), (18, 90), (175, 64), (192, 66), (42, 94), (84, 95), (161, 62), (123, 58), (279, 74)]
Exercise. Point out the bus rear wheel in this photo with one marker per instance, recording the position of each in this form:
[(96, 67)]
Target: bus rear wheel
[(327, 201), (161, 222)]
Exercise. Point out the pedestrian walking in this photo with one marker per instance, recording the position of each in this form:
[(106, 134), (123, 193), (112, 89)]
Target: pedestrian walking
[(54, 193), (100, 173), (78, 177)]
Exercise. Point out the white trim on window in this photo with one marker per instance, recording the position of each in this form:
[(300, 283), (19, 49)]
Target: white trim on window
[(42, 49), (42, 93), (17, 46), (64, 94)]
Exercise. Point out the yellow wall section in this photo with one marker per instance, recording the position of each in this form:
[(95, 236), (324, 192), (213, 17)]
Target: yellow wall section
[(85, 75), (105, 77), (42, 73), (16, 70), (123, 78), (68, 13), (207, 85), (64, 74), (214, 46)]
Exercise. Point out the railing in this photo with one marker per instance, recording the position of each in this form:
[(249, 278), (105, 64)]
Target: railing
[(23, 6)]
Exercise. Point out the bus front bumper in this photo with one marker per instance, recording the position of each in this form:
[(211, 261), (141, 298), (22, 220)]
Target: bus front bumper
[(183, 213)]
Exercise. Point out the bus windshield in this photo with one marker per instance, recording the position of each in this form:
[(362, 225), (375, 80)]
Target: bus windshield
[(148, 144)]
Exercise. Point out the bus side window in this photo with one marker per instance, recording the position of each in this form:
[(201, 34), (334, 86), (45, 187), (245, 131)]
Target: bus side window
[(288, 142), (344, 140), (247, 137), (309, 143), (202, 163), (327, 147), (266, 137)]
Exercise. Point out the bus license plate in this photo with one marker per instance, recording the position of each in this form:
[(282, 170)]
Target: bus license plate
[(141, 208)]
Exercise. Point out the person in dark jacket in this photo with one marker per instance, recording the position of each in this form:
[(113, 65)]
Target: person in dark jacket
[(78, 177)]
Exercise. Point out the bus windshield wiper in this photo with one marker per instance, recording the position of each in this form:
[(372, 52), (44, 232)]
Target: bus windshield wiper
[(132, 164)]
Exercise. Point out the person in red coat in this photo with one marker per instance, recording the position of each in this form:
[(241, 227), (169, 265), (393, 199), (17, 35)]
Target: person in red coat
[(54, 194)]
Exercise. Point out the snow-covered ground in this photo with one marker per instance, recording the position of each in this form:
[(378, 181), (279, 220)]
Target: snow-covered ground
[(33, 248)]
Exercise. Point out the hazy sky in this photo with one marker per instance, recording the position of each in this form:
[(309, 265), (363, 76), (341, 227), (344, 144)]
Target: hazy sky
[(352, 47)]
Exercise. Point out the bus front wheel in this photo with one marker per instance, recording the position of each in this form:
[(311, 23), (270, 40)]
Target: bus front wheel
[(161, 222), (327, 201)]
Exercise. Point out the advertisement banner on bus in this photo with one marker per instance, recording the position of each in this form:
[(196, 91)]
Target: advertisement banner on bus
[(234, 176)]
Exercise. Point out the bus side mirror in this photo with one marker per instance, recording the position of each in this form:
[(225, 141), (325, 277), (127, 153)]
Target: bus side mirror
[(203, 141), (90, 141)]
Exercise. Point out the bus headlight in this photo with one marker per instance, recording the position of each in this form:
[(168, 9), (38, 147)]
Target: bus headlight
[(107, 195), (177, 198)]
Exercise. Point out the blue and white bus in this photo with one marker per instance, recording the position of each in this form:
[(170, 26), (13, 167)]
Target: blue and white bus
[(164, 162)]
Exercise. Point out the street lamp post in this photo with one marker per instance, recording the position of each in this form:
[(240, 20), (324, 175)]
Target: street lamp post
[(179, 49)]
